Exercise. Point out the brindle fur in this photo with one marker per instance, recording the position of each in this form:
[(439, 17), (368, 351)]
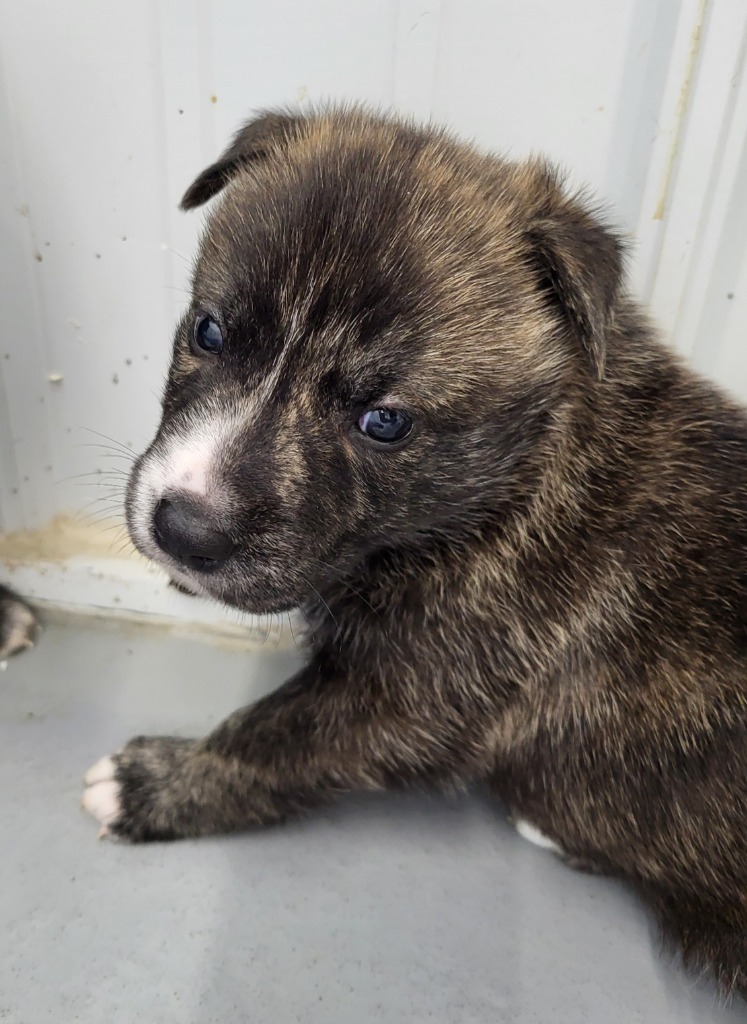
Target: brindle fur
[(546, 589)]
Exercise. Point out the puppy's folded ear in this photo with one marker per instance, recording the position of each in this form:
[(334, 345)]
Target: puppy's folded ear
[(253, 142), (579, 262)]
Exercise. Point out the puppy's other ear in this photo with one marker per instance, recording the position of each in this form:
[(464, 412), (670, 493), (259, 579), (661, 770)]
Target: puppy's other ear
[(580, 263), (252, 142)]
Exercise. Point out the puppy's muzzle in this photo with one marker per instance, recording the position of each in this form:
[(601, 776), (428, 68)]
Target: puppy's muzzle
[(184, 530)]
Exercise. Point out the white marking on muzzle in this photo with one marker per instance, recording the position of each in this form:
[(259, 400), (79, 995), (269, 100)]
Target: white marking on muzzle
[(189, 458)]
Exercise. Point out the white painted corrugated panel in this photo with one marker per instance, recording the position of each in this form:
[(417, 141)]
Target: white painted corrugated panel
[(107, 111)]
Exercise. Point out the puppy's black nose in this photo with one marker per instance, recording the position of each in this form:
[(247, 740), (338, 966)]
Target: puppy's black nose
[(183, 530)]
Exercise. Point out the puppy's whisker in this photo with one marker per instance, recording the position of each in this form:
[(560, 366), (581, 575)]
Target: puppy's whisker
[(103, 485), (114, 528), (101, 502), (100, 473), (111, 440), (180, 255), (329, 610), (114, 445), (345, 582), (292, 631), (110, 453)]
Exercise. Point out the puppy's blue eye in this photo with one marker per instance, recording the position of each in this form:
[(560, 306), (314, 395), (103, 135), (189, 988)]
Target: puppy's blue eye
[(208, 335), (386, 425)]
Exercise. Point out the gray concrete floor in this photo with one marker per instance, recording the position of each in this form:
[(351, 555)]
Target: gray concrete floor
[(387, 908)]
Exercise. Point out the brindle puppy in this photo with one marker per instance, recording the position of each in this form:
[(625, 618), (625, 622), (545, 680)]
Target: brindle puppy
[(412, 396)]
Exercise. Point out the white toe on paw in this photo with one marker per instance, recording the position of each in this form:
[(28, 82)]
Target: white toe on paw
[(533, 835), (102, 771), (102, 801)]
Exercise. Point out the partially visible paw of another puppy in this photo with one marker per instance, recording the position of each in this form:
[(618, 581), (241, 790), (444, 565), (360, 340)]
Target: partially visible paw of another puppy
[(18, 624), (142, 792)]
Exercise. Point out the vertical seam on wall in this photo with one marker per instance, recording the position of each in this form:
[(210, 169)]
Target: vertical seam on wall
[(42, 350), (683, 108), (168, 251)]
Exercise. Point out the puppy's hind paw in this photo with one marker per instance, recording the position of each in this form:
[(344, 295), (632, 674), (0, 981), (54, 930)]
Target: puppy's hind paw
[(18, 624), (533, 835)]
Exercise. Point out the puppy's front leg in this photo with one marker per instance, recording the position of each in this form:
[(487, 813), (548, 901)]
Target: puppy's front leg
[(319, 735)]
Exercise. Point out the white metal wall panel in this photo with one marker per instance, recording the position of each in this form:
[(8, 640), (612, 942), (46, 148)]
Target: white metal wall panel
[(108, 109)]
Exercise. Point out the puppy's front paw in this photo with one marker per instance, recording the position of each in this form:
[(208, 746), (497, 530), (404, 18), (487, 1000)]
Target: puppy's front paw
[(142, 792), (101, 796)]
